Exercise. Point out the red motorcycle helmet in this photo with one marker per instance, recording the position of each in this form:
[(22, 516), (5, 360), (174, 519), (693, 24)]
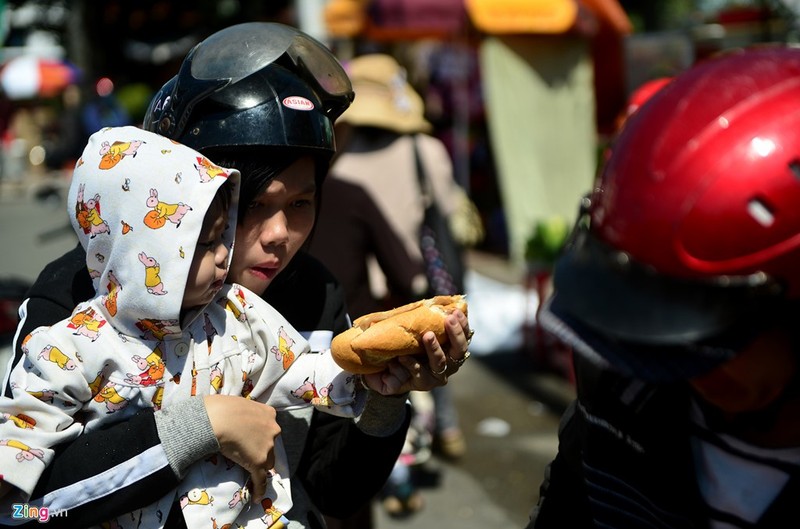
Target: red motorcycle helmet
[(692, 233)]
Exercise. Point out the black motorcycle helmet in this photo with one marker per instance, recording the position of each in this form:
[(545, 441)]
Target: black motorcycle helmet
[(254, 85)]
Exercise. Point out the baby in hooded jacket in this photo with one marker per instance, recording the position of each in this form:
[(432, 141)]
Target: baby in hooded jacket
[(157, 220)]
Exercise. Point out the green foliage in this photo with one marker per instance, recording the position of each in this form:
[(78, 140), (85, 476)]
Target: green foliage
[(547, 239)]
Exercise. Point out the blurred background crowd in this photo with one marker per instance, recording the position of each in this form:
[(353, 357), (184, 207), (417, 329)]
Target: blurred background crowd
[(525, 96)]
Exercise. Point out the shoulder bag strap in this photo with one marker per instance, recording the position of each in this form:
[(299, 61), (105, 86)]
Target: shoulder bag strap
[(426, 193)]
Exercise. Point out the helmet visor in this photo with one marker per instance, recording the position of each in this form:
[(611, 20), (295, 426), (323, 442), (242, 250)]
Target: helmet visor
[(656, 327), (246, 48)]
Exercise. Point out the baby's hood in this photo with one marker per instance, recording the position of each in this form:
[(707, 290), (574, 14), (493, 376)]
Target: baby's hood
[(137, 202)]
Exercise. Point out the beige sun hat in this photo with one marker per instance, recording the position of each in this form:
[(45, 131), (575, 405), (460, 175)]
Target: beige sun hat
[(384, 98)]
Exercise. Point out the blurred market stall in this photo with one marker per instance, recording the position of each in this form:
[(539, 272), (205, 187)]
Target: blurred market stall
[(30, 77), (552, 79)]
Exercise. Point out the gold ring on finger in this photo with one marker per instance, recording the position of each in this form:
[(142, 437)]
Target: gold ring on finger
[(460, 361)]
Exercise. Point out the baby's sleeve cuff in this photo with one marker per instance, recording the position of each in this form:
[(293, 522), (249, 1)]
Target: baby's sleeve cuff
[(186, 434)]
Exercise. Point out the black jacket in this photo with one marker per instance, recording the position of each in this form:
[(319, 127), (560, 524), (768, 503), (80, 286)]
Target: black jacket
[(625, 461), (341, 467)]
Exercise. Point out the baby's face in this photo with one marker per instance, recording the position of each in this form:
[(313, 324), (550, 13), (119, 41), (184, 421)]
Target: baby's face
[(209, 264)]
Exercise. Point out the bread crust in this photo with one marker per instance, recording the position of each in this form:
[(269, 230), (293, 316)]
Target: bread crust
[(378, 337)]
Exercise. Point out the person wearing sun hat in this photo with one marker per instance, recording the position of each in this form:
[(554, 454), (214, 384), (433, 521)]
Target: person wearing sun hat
[(384, 99), (372, 213)]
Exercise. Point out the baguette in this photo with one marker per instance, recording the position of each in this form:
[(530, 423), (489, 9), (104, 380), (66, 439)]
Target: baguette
[(378, 337)]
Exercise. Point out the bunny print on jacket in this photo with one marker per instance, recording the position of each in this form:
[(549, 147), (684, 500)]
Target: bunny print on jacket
[(135, 346)]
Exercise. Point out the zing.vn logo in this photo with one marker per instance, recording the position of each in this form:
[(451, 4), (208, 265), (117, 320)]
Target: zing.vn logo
[(23, 511)]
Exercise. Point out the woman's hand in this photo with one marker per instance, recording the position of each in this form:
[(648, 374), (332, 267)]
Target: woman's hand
[(408, 373), (246, 431)]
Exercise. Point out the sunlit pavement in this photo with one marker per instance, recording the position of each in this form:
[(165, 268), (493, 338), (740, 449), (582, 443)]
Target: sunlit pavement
[(511, 436)]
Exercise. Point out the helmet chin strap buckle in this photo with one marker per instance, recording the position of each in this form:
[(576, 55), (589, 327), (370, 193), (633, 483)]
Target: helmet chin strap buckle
[(164, 125)]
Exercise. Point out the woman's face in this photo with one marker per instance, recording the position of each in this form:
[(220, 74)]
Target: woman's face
[(275, 227)]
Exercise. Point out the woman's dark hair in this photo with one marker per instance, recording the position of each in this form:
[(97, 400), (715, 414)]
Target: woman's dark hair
[(258, 166)]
